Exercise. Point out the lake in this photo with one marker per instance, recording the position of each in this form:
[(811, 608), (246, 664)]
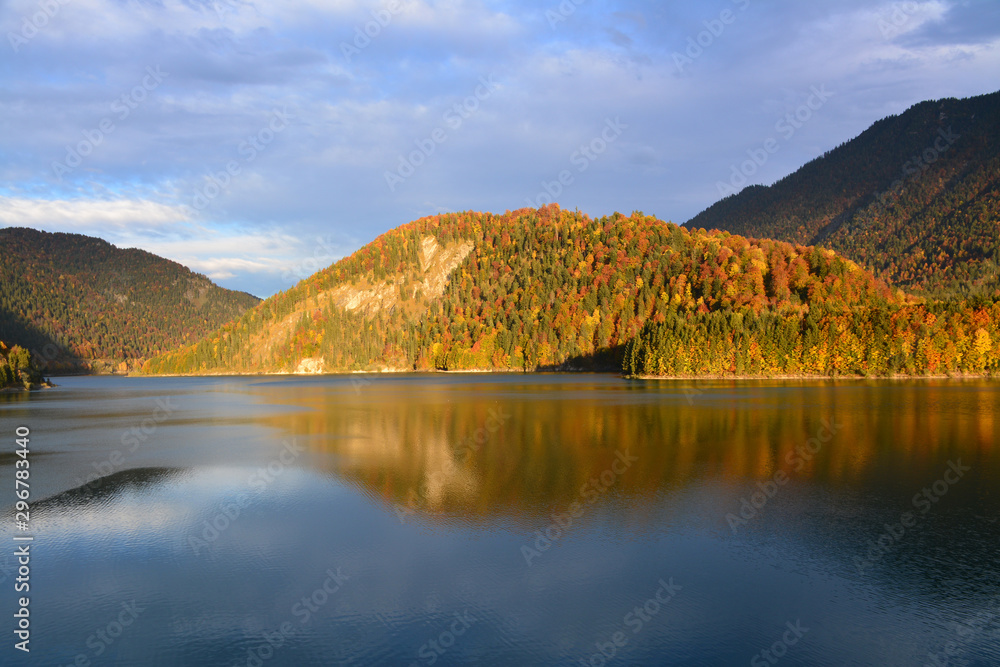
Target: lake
[(506, 520)]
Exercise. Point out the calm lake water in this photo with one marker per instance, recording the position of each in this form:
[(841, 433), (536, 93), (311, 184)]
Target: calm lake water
[(506, 520)]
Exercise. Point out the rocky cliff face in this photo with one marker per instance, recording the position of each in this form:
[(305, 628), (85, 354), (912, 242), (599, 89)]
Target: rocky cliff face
[(410, 291), (436, 264)]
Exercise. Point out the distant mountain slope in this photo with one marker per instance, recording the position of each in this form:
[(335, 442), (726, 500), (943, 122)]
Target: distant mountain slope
[(915, 198), (524, 290), (78, 302)]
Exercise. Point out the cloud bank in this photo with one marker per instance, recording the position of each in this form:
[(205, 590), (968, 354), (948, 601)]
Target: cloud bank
[(240, 136)]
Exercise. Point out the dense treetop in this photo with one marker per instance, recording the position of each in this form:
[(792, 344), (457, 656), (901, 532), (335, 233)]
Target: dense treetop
[(539, 289), (915, 198), (914, 201), (17, 368), (73, 300)]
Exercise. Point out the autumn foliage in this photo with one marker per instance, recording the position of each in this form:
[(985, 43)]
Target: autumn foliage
[(915, 199), (556, 289), (73, 300)]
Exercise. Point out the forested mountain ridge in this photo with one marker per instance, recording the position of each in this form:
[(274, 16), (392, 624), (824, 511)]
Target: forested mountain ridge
[(79, 303), (520, 291), (915, 198)]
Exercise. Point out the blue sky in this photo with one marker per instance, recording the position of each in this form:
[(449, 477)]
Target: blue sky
[(256, 142)]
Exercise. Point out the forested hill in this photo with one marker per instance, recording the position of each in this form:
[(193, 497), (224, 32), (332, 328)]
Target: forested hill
[(523, 290), (80, 303), (915, 198)]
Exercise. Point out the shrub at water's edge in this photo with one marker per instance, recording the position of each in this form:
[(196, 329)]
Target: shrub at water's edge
[(18, 370)]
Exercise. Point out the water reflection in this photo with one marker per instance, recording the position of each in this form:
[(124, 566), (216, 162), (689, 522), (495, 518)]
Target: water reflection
[(425, 490), (104, 490), (514, 448)]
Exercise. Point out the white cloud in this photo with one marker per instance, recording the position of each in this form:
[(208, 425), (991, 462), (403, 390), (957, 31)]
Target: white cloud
[(223, 255), (219, 252), (231, 62), (86, 214)]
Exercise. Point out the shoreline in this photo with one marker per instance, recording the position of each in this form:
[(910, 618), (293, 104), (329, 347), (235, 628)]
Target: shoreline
[(811, 377), (935, 376), (18, 390)]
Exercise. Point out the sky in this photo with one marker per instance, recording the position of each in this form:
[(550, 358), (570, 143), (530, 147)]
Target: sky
[(257, 142)]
